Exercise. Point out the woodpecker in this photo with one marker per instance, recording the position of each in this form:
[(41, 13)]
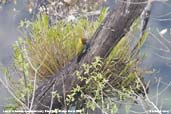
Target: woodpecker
[(82, 48)]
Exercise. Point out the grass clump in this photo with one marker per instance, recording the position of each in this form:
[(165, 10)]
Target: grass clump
[(51, 46)]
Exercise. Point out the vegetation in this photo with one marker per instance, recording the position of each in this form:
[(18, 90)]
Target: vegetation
[(45, 50), (55, 45), (106, 85)]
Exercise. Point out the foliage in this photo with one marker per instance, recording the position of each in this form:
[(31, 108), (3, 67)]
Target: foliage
[(122, 50), (105, 79), (56, 45), (103, 82), (45, 49)]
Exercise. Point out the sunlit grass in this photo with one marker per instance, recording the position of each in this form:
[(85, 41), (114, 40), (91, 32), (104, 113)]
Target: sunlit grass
[(56, 45)]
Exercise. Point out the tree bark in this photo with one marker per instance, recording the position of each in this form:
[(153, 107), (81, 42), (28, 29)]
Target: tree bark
[(115, 26)]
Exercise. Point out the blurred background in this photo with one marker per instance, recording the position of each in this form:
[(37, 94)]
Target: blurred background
[(157, 48)]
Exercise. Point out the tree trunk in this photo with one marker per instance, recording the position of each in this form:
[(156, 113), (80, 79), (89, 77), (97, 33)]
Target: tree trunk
[(114, 27)]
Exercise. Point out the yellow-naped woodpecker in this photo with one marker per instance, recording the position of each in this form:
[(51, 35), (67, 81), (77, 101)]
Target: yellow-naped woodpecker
[(82, 48)]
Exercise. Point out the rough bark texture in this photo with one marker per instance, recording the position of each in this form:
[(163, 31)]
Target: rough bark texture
[(115, 26)]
